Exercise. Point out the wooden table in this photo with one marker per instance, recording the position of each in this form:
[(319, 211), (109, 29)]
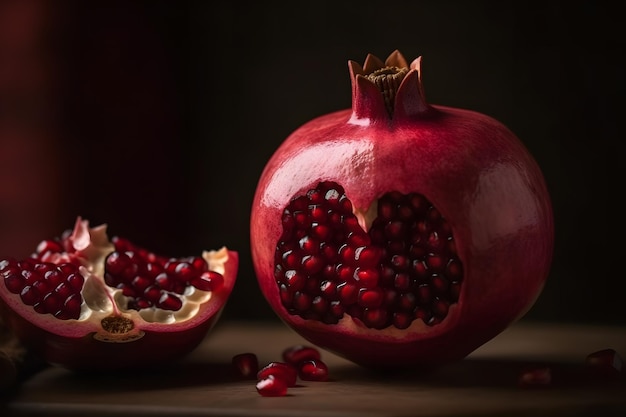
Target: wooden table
[(484, 384)]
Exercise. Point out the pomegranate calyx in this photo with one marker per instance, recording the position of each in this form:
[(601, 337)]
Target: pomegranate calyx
[(387, 91)]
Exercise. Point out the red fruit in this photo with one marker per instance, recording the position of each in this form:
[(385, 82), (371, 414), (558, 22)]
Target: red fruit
[(283, 371), (87, 303), (399, 233), (271, 387)]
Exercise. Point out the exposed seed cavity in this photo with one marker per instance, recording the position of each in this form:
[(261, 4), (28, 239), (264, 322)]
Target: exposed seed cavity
[(403, 269), (150, 281)]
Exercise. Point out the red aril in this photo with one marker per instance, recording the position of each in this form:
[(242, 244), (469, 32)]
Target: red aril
[(535, 377), (399, 233), (85, 302), (313, 370), (283, 371), (247, 364), (271, 387), (605, 363)]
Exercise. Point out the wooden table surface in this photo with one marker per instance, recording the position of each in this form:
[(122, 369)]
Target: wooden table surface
[(484, 384)]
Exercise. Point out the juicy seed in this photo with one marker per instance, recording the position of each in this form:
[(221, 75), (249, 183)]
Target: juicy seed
[(295, 355), (47, 287), (280, 370), (605, 363), (246, 364), (152, 281), (405, 268), (535, 377), (313, 370), (271, 387)]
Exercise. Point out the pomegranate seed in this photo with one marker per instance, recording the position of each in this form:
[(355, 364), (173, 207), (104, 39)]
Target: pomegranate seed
[(407, 302), (247, 364), (302, 301), (169, 302), (312, 264), (49, 246), (402, 282), (284, 371), (30, 296), (370, 298), (208, 281), (14, 283), (402, 320), (376, 318), (185, 271), (76, 281), (271, 387), (297, 354), (605, 363), (406, 259), (366, 278), (71, 307), (313, 370), (51, 303), (535, 377)]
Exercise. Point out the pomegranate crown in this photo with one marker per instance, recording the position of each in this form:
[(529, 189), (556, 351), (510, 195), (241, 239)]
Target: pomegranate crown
[(389, 90)]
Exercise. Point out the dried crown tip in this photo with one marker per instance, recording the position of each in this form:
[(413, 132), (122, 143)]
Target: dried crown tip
[(387, 79)]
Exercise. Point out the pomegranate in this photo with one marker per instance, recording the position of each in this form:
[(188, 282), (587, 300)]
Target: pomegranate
[(399, 233), (85, 302)]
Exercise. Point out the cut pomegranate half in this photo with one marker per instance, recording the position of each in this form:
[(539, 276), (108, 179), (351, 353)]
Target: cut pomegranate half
[(86, 302)]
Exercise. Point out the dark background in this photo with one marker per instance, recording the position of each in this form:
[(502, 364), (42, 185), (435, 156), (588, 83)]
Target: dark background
[(162, 114)]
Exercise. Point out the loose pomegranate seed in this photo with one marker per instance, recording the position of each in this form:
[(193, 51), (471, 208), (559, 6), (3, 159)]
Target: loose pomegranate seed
[(313, 370), (535, 377), (247, 364), (280, 370), (324, 261), (297, 354), (271, 387), (605, 363)]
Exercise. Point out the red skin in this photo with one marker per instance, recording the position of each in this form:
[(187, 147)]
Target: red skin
[(471, 167)]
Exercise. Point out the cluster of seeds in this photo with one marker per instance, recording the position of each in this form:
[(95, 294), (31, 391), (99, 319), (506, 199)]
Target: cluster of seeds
[(405, 268), (50, 280), (151, 281), (47, 287), (275, 378)]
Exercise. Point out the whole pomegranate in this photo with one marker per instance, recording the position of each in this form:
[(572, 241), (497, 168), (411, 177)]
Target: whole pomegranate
[(88, 303), (399, 233)]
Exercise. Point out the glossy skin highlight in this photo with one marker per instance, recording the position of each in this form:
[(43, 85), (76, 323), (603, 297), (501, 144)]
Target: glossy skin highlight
[(470, 166)]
